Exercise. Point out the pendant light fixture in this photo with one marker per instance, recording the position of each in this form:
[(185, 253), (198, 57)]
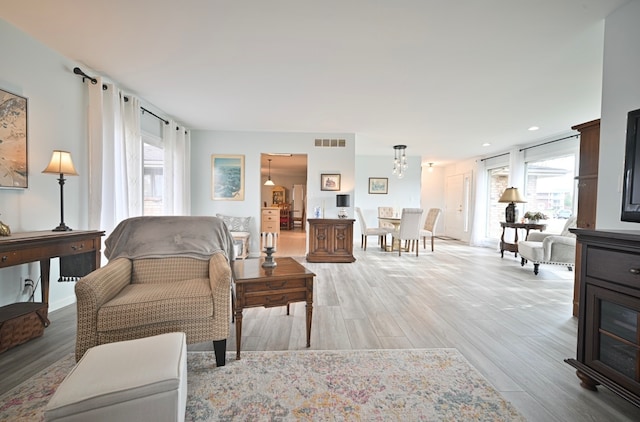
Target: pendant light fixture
[(399, 160), (269, 182)]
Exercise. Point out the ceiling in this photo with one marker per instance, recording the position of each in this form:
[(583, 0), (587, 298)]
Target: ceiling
[(442, 77)]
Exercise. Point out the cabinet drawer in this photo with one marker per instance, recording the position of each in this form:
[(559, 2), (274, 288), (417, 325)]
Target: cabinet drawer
[(615, 266), (267, 287), (270, 213), (271, 227), (274, 299)]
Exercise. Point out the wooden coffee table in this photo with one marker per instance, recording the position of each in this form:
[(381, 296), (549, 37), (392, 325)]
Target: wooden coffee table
[(255, 286)]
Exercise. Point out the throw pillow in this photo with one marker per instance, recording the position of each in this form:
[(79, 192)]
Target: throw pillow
[(235, 224)]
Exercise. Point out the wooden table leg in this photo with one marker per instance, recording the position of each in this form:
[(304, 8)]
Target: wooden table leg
[(309, 309), (45, 271), (238, 313)]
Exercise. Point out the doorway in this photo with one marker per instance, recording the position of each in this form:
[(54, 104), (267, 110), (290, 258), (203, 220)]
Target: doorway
[(288, 174)]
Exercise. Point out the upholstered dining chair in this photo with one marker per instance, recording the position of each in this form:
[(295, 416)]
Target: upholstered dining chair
[(409, 229), (381, 232), (382, 213), (433, 215)]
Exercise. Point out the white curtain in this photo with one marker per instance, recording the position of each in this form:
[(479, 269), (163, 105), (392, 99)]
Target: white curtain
[(115, 157), (176, 140), (478, 235)]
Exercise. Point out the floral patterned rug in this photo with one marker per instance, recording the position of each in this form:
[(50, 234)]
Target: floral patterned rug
[(342, 385)]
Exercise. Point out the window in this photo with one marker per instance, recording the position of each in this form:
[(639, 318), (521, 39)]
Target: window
[(153, 176), (550, 189), (497, 182)]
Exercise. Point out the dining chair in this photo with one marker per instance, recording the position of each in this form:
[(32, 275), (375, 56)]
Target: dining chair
[(385, 212), (381, 232), (433, 215), (409, 229)]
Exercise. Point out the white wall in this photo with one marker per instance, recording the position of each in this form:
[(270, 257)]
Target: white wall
[(402, 193), (251, 145), (56, 109), (620, 94), (433, 192)]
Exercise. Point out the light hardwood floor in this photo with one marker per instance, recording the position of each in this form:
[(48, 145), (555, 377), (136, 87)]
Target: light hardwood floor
[(514, 327)]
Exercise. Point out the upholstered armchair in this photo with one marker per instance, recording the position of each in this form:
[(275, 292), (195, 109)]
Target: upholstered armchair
[(546, 248), (165, 274)]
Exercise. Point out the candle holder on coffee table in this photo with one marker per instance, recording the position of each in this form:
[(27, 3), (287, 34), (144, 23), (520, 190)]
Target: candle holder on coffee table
[(269, 262)]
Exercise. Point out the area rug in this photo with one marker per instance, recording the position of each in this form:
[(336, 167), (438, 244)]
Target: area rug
[(346, 385)]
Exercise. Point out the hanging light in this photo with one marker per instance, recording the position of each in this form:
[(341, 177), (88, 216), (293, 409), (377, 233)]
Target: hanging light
[(399, 160), (430, 167), (269, 182)]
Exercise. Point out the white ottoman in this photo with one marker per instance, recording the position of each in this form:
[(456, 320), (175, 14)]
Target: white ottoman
[(136, 380)]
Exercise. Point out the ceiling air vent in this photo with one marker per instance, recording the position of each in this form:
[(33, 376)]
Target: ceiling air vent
[(331, 143)]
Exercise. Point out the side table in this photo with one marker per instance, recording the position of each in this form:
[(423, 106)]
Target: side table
[(513, 247), (255, 286)]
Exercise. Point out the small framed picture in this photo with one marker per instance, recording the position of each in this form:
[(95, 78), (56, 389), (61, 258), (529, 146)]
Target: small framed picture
[(379, 185), (329, 182)]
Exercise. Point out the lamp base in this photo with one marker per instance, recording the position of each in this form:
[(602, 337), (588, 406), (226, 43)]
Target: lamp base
[(62, 228), (343, 213), (510, 213)]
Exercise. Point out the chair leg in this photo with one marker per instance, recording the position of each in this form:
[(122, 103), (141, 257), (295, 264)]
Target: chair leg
[(220, 349), (432, 244), (362, 237), (365, 243), (535, 268)]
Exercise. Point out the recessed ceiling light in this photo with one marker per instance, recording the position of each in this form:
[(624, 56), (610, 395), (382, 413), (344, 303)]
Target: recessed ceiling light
[(486, 144), (532, 128)]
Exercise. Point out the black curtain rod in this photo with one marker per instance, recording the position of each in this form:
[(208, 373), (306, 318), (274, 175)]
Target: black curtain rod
[(495, 156), (166, 122), (550, 142), (94, 81)]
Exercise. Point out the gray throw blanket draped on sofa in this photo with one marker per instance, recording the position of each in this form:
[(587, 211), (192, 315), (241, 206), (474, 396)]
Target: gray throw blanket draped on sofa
[(161, 236)]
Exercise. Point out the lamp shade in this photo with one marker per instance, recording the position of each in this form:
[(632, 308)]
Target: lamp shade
[(511, 195), (342, 200), (61, 163)]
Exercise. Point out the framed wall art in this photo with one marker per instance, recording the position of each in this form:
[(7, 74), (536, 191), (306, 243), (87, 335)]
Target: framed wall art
[(13, 140), (379, 185), (227, 177), (330, 182)]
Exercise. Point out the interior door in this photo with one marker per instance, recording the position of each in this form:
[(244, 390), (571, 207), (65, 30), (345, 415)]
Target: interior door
[(454, 212)]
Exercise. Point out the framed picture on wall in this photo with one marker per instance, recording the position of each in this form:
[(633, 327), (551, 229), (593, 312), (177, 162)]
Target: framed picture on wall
[(227, 177), (330, 182), (379, 185), (13, 140)]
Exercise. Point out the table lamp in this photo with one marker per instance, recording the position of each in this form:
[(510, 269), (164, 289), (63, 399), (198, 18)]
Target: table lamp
[(342, 201), (511, 195), (61, 164)]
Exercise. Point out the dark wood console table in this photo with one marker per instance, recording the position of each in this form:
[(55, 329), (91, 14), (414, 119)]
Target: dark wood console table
[(513, 247), (26, 247), (330, 240)]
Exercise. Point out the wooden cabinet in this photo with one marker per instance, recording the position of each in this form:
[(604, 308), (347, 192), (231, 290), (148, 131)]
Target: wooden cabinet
[(587, 189), (330, 240), (608, 350), (270, 222), (278, 195), (588, 173)]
